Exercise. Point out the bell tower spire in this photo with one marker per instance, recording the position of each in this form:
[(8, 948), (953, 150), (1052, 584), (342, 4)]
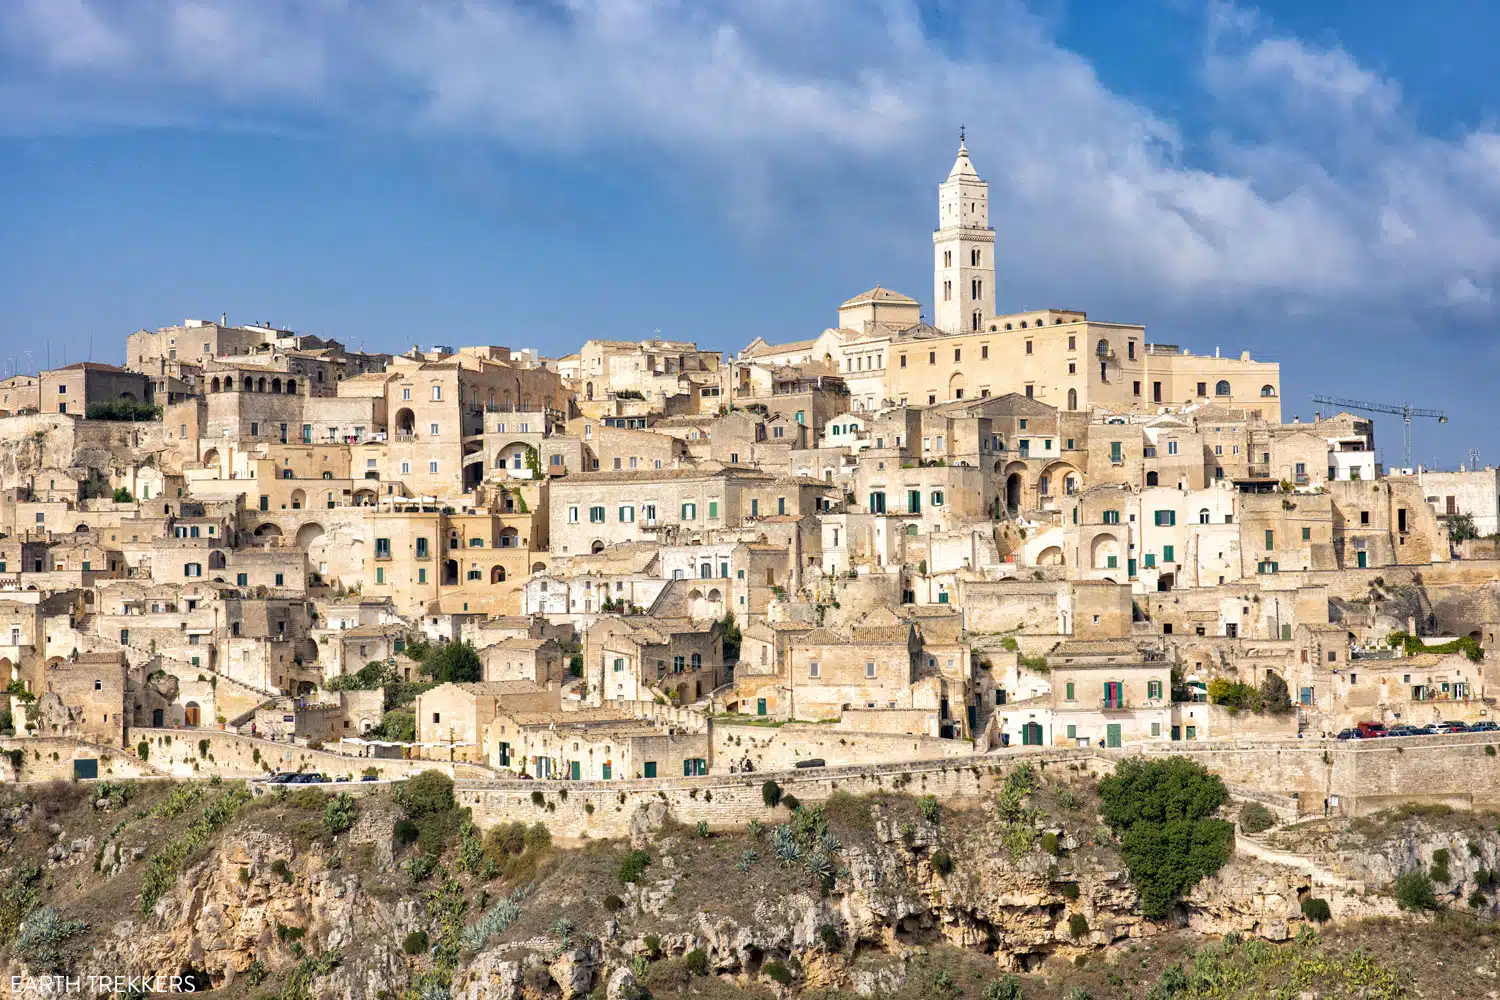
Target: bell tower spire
[(963, 249)]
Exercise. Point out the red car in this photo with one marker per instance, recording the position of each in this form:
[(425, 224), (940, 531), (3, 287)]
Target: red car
[(1370, 730)]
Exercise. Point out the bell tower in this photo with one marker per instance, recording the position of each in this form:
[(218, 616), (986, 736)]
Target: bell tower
[(963, 248)]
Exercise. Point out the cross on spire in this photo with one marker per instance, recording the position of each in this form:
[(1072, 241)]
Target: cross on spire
[(961, 134)]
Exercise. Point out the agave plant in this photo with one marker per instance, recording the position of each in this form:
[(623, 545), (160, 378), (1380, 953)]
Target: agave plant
[(830, 842), (784, 842), (819, 867)]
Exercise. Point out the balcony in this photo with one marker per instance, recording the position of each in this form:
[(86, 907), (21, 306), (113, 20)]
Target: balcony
[(1114, 705)]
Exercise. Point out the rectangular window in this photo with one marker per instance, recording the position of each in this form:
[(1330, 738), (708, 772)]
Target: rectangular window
[(1307, 534), (280, 579), (1150, 560), (380, 574), (1153, 690), (937, 498), (1068, 695), (903, 361), (242, 579), (422, 547), (1168, 552), (432, 467), (1166, 518), (421, 576), (1270, 540), (596, 515), (869, 669), (713, 510), (1171, 447), (984, 351), (627, 514), (812, 669), (1028, 348), (437, 393), (1116, 451), (689, 512), (914, 501), (572, 515)]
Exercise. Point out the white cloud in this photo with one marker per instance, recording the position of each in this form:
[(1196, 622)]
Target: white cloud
[(1317, 193)]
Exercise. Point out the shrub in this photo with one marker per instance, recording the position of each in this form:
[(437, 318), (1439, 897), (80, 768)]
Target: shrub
[(613, 903), (697, 962), (538, 799), (340, 814), (1440, 859), (122, 409), (426, 794), (420, 866), (791, 802), (1162, 811), (633, 866), (43, 935), (777, 972), (1077, 993), (1050, 844), (406, 832), (281, 870), (653, 944), (1413, 891), (1004, 988), (143, 750), (415, 943), (1078, 926), (538, 837), (1316, 909), (702, 829), (931, 811), (770, 793), (942, 862), (1256, 818), (1489, 749), (831, 938), (203, 748)]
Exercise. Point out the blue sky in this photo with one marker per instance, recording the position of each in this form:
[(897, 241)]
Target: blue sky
[(1316, 183)]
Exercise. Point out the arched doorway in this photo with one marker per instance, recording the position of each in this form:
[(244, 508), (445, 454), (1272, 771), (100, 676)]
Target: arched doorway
[(299, 499), (597, 547), (406, 421), (1052, 555), (191, 715), (1013, 492), (1151, 478), (268, 531), (497, 574), (1031, 734), (450, 572), (1105, 552)]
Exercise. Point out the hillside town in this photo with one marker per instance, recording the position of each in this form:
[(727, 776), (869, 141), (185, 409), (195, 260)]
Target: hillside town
[(927, 530)]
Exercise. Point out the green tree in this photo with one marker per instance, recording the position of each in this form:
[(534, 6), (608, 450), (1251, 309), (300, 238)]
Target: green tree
[(455, 662), (1163, 813), (398, 724), (340, 813), (1275, 696), (1461, 528), (732, 638)]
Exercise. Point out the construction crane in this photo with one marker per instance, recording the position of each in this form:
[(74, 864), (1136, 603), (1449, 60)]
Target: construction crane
[(1405, 411)]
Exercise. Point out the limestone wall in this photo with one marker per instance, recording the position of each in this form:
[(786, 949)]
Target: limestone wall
[(603, 809), (228, 755), (51, 759), (775, 748)]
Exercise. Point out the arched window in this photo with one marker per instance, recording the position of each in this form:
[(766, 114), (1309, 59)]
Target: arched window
[(276, 385), (1151, 479), (213, 386), (1072, 399), (229, 383), (291, 386), (1268, 390), (1203, 516), (1102, 348), (974, 257), (1222, 388), (1023, 324)]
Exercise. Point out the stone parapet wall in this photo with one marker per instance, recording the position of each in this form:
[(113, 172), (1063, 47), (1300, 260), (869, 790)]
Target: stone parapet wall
[(604, 809)]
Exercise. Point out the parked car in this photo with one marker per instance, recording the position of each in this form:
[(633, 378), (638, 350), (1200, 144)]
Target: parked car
[(1485, 727), (1428, 730), (1404, 731), (369, 777), (1371, 730), (1452, 727), (1349, 734)]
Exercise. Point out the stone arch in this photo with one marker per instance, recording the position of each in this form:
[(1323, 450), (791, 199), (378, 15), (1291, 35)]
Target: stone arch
[(1268, 390), (260, 385), (510, 538), (1052, 555), (364, 498), (1152, 479), (1221, 388), (312, 539), (216, 560), (291, 386), (299, 499), (211, 457), (512, 456), (128, 396), (538, 567), (213, 384), (406, 421), (957, 385), (597, 546), (1104, 546), (192, 715), (228, 383), (276, 385), (497, 574), (269, 529)]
